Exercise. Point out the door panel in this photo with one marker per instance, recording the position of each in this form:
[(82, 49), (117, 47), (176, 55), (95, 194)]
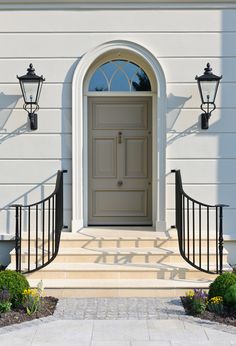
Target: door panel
[(119, 116), (120, 161), (104, 157), (114, 203), (135, 157)]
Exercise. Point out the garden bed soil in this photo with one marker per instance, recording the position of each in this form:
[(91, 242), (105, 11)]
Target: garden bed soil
[(228, 317), (19, 315)]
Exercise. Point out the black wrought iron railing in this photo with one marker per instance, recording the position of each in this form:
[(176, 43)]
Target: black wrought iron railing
[(38, 244), (200, 230)]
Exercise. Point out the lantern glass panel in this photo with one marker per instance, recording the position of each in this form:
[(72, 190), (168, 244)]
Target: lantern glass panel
[(30, 91), (208, 91)]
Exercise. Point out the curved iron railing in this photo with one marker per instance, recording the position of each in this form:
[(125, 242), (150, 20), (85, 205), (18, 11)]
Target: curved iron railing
[(43, 230), (195, 222)]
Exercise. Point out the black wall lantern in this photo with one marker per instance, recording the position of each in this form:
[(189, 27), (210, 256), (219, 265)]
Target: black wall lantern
[(31, 86), (208, 85)]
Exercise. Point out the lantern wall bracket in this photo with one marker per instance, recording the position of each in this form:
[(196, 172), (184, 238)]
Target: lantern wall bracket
[(206, 116)]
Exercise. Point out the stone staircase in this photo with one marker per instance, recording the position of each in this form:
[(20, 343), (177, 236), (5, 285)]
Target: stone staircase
[(118, 261)]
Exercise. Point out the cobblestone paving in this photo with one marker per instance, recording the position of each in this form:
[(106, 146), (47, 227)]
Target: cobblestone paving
[(130, 309), (119, 308)]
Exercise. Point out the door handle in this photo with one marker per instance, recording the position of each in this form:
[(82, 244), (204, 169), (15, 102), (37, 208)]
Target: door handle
[(120, 137), (119, 182)]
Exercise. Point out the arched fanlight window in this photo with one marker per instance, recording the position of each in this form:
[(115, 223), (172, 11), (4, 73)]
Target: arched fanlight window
[(119, 75)]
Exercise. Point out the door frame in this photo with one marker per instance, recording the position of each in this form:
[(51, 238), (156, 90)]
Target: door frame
[(80, 132)]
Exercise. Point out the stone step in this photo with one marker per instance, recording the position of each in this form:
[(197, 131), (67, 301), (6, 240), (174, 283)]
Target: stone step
[(119, 288), (118, 256), (127, 271), (85, 242)]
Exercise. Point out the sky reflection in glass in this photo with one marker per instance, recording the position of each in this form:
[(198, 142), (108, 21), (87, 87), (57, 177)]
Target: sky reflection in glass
[(119, 75)]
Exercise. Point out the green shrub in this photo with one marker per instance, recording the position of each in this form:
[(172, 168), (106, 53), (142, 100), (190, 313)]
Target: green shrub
[(220, 285), (15, 283), (230, 296)]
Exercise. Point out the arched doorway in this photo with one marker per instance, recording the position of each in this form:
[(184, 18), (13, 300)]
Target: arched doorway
[(93, 204)]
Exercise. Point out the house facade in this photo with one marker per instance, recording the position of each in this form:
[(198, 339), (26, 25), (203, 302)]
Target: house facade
[(119, 109)]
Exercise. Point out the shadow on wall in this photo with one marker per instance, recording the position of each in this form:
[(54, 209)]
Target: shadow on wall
[(8, 104), (24, 199), (175, 105), (226, 165)]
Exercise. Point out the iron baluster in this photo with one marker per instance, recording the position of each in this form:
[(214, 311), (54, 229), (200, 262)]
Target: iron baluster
[(221, 238), (208, 240), (43, 233), (186, 221), (37, 235), (18, 236), (52, 221), (29, 239), (49, 229)]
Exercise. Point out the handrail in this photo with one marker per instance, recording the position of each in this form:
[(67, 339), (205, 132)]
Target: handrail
[(43, 245), (193, 233)]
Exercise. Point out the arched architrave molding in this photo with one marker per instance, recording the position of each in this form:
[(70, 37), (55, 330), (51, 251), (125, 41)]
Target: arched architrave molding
[(79, 111)]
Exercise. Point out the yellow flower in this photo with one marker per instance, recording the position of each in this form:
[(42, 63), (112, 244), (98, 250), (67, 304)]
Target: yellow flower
[(215, 300), (190, 293)]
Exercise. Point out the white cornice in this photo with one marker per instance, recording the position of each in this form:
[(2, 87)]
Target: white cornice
[(116, 5)]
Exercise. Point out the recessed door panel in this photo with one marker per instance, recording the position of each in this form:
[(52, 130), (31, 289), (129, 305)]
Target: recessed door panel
[(120, 115), (135, 157), (104, 157), (120, 161), (114, 203)]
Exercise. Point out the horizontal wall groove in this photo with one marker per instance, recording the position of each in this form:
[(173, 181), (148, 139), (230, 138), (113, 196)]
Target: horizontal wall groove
[(122, 5), (84, 32), (201, 159), (198, 132), (37, 160), (33, 159), (2, 134), (202, 184), (78, 33), (41, 108), (35, 185)]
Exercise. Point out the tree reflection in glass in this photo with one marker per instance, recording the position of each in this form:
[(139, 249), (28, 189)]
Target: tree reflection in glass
[(119, 75)]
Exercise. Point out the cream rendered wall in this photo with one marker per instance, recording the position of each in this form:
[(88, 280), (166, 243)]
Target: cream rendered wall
[(182, 40)]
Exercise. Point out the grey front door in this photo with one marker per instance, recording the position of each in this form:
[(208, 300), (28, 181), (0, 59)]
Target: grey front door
[(120, 161)]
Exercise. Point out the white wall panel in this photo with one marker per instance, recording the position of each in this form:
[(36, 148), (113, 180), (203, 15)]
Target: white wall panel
[(27, 194), (49, 121), (7, 221), (75, 45), (187, 96), (203, 171), (36, 147), (54, 70), (189, 120), (184, 70), (52, 96), (136, 20), (209, 194), (33, 171), (202, 145)]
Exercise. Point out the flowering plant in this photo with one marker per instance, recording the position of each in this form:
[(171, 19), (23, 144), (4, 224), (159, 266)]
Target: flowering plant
[(5, 300), (32, 298), (215, 304), (196, 300)]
